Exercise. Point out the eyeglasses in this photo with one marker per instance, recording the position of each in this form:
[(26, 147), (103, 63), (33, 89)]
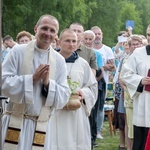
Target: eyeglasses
[(136, 45)]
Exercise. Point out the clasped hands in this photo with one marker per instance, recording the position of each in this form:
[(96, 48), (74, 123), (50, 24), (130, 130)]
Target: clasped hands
[(42, 74)]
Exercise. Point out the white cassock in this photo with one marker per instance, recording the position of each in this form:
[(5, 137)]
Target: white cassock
[(21, 90), (135, 69), (70, 129)]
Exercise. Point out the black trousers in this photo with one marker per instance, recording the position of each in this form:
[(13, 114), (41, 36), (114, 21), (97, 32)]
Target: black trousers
[(140, 136), (93, 123), (93, 116)]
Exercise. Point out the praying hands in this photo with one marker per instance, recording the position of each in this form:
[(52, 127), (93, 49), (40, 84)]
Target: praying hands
[(42, 73)]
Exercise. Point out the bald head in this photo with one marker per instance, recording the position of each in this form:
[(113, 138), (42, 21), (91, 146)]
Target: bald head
[(69, 31)]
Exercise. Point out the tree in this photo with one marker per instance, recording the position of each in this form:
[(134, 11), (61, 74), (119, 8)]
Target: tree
[(143, 6), (22, 15), (109, 15), (129, 12)]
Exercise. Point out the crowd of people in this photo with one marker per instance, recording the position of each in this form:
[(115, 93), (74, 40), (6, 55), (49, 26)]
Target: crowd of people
[(57, 85), (129, 87)]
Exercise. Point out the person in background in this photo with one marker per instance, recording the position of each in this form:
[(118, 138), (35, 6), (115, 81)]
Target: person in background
[(85, 52), (4, 50), (9, 42), (137, 80), (88, 40), (108, 59), (129, 31), (55, 44), (134, 41), (41, 75), (144, 40), (82, 50), (23, 37), (148, 34), (118, 49)]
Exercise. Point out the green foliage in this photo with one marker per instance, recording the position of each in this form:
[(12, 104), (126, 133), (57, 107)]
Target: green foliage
[(73, 85), (129, 12), (143, 6), (110, 142), (109, 15)]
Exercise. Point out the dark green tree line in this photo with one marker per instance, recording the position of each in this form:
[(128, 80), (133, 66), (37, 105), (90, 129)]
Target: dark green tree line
[(110, 15)]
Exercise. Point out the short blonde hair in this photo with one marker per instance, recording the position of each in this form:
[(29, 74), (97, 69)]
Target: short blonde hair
[(66, 30), (135, 37)]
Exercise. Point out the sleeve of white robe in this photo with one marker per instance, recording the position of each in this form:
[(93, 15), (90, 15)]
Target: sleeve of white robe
[(59, 93), (90, 89), (12, 82), (131, 76), (20, 87)]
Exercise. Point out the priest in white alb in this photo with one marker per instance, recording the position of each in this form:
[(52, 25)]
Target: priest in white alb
[(137, 80), (28, 71)]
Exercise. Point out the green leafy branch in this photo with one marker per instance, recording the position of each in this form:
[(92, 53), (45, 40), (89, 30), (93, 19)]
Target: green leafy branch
[(73, 85)]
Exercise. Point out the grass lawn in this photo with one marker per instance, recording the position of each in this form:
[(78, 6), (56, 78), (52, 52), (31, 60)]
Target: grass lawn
[(109, 142)]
